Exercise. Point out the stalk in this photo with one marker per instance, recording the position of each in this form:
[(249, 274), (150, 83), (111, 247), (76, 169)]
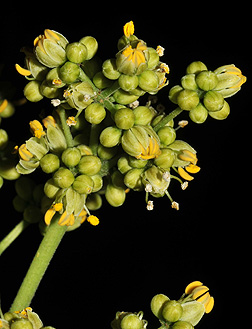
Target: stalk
[(65, 127), (167, 118)]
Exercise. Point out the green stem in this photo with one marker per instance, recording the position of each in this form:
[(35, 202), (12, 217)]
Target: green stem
[(39, 265), (167, 118), (94, 138), (14, 233), (65, 127)]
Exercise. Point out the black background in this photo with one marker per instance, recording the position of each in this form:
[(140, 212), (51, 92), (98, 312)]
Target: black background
[(134, 254)]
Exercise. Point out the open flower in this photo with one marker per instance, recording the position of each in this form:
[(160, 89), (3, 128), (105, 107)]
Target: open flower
[(200, 293), (190, 157)]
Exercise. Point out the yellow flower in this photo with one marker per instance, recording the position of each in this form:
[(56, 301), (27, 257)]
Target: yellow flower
[(151, 151), (135, 55), (51, 212), (201, 294), (191, 157), (37, 128), (24, 153), (128, 29)]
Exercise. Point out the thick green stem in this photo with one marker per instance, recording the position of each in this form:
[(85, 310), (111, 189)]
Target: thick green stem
[(17, 230), (65, 127), (167, 118), (39, 265)]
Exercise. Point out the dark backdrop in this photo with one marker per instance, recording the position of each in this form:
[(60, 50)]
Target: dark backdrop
[(134, 254)]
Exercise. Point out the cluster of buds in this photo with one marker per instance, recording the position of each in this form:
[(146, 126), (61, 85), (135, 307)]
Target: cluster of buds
[(25, 319), (129, 320), (203, 92)]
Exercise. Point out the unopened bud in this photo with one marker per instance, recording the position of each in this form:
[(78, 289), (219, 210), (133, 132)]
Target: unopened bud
[(206, 80), (124, 97), (49, 163), (48, 91), (196, 67), (187, 99), (76, 52), (153, 59), (110, 136), (133, 179), (91, 45), (131, 321), (172, 311), (100, 81), (165, 159), (109, 69), (182, 325), (128, 82), (63, 178), (51, 188), (21, 324), (199, 114), (124, 118), (148, 80), (53, 79), (71, 157), (143, 115), (83, 184), (115, 195), (94, 201), (221, 114), (89, 165), (69, 72), (213, 101), (95, 113), (188, 82), (167, 135), (32, 91), (157, 304)]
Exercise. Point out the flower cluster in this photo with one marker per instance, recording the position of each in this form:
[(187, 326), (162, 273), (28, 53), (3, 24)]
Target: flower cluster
[(25, 319)]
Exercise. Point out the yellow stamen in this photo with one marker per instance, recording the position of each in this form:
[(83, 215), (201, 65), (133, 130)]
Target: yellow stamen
[(57, 206), (49, 34), (93, 220), (199, 291), (152, 151), (191, 286), (57, 82), (24, 153), (160, 50), (135, 55), (66, 219), (184, 174), (49, 120), (71, 121), (49, 215), (82, 216), (3, 105), (128, 29), (37, 128), (189, 156), (164, 68), (192, 169), (209, 305), (22, 71)]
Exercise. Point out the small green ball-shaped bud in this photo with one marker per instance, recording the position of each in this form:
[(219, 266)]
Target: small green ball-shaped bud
[(106, 153), (69, 72), (110, 136), (51, 189), (32, 214), (95, 113), (137, 163), (124, 118), (165, 159), (174, 92), (182, 325), (123, 164), (48, 91), (89, 165), (124, 97), (53, 80), (19, 204), (76, 52), (148, 80), (100, 81), (49, 163), (207, 80), (188, 82), (128, 82), (143, 115), (213, 101), (83, 184), (109, 69), (3, 139), (157, 303), (133, 180), (196, 67), (21, 324), (131, 321), (32, 91), (221, 114), (63, 178), (71, 157), (24, 187), (172, 311), (115, 195), (98, 182), (8, 111), (94, 201), (153, 59), (188, 99), (167, 135), (91, 45), (199, 114)]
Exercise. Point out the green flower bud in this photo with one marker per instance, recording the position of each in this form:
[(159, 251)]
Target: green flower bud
[(94, 201), (137, 92), (8, 169), (137, 163), (174, 92), (50, 48), (110, 136), (32, 91), (95, 113), (167, 135), (69, 72), (128, 82), (172, 311), (123, 164), (89, 165), (8, 111), (117, 179), (79, 95), (53, 80), (3, 139), (124, 97), (148, 80), (143, 115), (19, 204), (166, 159), (91, 45), (32, 214), (47, 91), (49, 163), (221, 114), (109, 69), (92, 66), (124, 41), (157, 304), (71, 157), (76, 52), (133, 179), (131, 321), (106, 153), (206, 80), (153, 59), (188, 99), (98, 182), (188, 82), (51, 189), (100, 81), (199, 114), (196, 67), (21, 324), (213, 101), (24, 187), (154, 177), (182, 325), (124, 118), (115, 195), (83, 184), (192, 312), (63, 178)]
